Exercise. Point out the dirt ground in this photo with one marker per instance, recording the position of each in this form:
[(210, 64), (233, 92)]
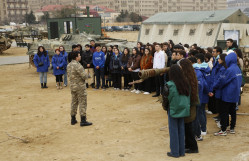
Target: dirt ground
[(126, 126)]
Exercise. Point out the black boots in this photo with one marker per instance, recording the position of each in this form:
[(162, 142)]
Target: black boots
[(45, 85), (84, 122), (93, 85), (73, 120), (87, 85)]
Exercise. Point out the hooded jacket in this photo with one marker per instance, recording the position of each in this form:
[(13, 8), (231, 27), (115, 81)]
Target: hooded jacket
[(202, 85), (58, 61), (220, 71), (214, 69), (99, 59), (230, 81), (41, 59), (206, 81)]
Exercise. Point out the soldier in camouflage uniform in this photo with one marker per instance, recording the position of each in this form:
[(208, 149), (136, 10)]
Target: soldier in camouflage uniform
[(77, 77)]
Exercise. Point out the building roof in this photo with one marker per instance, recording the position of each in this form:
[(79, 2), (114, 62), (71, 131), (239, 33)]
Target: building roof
[(190, 17)]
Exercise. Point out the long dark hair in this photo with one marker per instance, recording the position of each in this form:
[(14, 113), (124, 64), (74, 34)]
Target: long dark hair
[(176, 75), (63, 52), (143, 57), (137, 52), (125, 57), (40, 53), (222, 57), (189, 73)]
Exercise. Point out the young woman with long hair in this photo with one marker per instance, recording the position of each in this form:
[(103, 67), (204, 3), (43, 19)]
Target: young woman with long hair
[(115, 69), (58, 62), (65, 55), (179, 107), (124, 70), (189, 72), (42, 63), (146, 63)]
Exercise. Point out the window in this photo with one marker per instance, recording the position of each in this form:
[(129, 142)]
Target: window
[(209, 32), (175, 32), (160, 32), (147, 31), (192, 31)]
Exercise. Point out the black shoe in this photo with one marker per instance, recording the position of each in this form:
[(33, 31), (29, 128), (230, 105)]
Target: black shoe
[(73, 120), (93, 85), (45, 85), (191, 151), (84, 122), (156, 95), (170, 155), (87, 85)]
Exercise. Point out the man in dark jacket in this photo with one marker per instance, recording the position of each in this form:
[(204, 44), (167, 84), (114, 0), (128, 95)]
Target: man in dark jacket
[(87, 62), (74, 49)]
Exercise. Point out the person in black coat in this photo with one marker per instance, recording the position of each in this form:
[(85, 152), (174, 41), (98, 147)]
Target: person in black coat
[(124, 70), (74, 49), (107, 67), (115, 69), (87, 62)]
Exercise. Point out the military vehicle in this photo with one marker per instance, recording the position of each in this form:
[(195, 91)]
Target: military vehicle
[(28, 31), (67, 40), (5, 43)]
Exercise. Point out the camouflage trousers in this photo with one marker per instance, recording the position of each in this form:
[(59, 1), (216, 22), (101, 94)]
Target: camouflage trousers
[(79, 98)]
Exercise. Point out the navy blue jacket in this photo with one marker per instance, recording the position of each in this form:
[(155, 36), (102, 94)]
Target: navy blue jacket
[(42, 59), (114, 64), (99, 59), (230, 81), (214, 70), (124, 64), (58, 61)]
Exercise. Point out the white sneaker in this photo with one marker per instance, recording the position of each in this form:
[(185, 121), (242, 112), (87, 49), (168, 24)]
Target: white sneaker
[(218, 124), (133, 91), (137, 92), (209, 112), (122, 89), (65, 85), (115, 88), (146, 93), (126, 89), (203, 133)]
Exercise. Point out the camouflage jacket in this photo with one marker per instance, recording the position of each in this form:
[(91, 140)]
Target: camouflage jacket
[(76, 75)]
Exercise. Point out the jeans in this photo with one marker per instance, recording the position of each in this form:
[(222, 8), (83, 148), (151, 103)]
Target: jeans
[(196, 124), (43, 77), (65, 78), (202, 117), (176, 133), (100, 73)]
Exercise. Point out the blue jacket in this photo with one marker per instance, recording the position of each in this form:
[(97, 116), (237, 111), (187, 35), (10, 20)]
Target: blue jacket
[(220, 71), (114, 64), (58, 61), (65, 55), (214, 70), (202, 84), (43, 59), (230, 81), (99, 59)]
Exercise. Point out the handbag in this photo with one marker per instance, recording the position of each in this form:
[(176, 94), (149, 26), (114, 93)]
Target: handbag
[(165, 94)]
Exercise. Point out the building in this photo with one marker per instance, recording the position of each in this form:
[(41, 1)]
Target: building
[(150, 7), (3, 11), (206, 28), (16, 10), (39, 4), (239, 4)]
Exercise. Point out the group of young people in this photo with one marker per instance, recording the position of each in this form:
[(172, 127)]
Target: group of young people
[(197, 78)]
